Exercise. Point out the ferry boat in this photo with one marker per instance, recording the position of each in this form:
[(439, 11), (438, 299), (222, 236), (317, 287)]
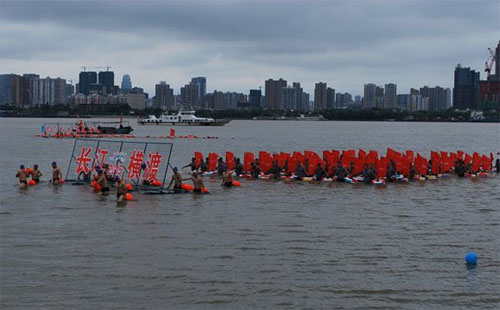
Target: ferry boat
[(181, 118)]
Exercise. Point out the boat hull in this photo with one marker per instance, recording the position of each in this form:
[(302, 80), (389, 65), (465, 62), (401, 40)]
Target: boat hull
[(216, 123)]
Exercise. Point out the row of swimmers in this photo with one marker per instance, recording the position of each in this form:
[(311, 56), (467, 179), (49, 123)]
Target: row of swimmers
[(338, 173)]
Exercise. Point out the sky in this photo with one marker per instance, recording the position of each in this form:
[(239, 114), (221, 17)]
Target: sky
[(237, 45)]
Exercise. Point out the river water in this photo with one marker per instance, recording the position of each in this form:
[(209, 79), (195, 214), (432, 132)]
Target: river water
[(265, 245)]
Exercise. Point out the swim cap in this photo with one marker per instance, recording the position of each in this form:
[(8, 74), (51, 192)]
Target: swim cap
[(22, 167), (117, 178), (175, 169), (35, 166), (54, 163), (99, 171)]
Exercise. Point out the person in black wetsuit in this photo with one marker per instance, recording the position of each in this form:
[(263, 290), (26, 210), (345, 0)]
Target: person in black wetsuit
[(192, 164), (497, 165), (255, 170), (341, 173), (238, 167), (300, 172), (320, 173), (275, 170), (460, 168), (390, 172), (368, 174), (221, 166), (412, 172), (203, 166)]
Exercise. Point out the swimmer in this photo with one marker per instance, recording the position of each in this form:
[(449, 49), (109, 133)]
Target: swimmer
[(300, 172), (103, 181), (238, 167), (341, 173), (36, 174), (176, 180), (56, 173), (192, 164), (227, 178), (275, 170), (121, 189), (22, 174), (203, 166), (197, 183), (255, 170), (497, 165), (221, 166), (460, 168), (320, 173)]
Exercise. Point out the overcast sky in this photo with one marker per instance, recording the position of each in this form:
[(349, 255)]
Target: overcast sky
[(239, 44)]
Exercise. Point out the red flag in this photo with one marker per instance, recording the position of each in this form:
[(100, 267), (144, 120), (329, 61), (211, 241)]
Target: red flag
[(230, 160), (172, 132), (248, 158), (198, 156)]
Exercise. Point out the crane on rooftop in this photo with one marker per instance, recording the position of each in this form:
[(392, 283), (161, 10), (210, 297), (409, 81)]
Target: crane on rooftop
[(488, 65)]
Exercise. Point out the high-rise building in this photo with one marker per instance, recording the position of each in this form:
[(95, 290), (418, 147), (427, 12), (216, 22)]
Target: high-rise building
[(466, 88), (32, 87), (233, 98), (255, 98), (126, 84), (273, 93), (51, 91), (306, 104), (297, 102), (13, 90), (342, 100), (390, 96), (164, 96), (86, 79), (107, 80), (448, 103), (369, 96), (189, 97), (320, 102), (437, 97), (201, 82), (215, 101), (379, 97), (330, 98), (404, 102)]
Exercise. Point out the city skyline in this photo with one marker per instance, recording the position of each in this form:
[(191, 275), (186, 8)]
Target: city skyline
[(411, 45)]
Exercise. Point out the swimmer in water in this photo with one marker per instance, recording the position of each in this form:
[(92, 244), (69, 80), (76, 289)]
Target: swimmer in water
[(56, 173), (121, 189), (300, 172), (36, 174), (275, 170), (221, 166), (197, 183), (497, 165), (192, 164), (320, 173), (103, 181), (176, 180), (238, 167), (203, 166), (227, 178), (22, 174)]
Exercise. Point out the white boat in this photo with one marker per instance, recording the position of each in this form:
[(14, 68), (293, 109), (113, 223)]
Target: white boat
[(181, 118)]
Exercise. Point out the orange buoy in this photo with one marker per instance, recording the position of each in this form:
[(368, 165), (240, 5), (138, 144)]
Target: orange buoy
[(97, 187), (61, 181), (187, 187), (204, 190), (31, 182), (129, 196), (128, 186), (236, 183)]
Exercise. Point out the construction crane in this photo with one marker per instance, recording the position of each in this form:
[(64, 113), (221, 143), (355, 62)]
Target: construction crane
[(488, 64), (85, 68)]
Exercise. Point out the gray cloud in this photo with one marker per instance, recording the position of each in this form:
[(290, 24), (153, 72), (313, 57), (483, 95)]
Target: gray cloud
[(238, 44)]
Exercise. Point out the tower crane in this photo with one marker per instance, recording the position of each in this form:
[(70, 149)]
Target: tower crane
[(488, 64)]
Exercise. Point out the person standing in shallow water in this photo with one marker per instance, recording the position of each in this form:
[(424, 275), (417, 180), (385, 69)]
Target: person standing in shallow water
[(22, 174), (121, 189), (36, 174), (197, 183), (56, 173)]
